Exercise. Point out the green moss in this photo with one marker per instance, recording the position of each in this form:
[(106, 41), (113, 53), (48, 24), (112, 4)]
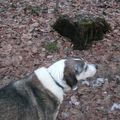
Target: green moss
[(52, 47), (13, 5), (33, 9), (36, 10)]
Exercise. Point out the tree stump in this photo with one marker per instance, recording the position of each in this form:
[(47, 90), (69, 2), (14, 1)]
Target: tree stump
[(82, 29)]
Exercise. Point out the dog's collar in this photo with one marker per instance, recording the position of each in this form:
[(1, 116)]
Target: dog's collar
[(56, 81)]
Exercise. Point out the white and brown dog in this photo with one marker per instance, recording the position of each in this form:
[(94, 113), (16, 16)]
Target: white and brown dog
[(39, 95)]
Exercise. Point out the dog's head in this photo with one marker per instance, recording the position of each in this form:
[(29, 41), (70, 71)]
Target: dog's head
[(67, 72), (77, 69)]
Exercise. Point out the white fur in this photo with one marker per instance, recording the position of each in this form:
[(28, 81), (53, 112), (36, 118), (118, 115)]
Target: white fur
[(47, 81), (57, 71), (89, 73)]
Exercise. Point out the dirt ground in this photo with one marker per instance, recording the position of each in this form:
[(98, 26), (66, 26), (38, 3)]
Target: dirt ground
[(27, 42)]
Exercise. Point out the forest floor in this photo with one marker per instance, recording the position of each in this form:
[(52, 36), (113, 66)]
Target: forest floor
[(27, 41)]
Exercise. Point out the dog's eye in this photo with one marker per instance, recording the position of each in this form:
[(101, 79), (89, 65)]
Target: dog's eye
[(86, 67)]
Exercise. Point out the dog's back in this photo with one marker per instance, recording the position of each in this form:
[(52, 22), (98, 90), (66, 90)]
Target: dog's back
[(15, 106), (26, 101)]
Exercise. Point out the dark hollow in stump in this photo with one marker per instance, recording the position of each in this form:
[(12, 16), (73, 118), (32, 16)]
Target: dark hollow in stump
[(82, 29)]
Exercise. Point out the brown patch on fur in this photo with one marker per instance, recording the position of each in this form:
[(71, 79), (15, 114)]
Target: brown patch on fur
[(69, 73), (69, 66)]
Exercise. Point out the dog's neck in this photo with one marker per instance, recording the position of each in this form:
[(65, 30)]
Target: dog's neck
[(57, 72), (57, 83), (48, 82)]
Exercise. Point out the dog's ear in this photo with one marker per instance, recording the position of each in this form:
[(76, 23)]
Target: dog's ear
[(70, 79), (70, 71)]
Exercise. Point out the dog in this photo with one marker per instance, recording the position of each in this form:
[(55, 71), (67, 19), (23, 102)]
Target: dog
[(38, 96)]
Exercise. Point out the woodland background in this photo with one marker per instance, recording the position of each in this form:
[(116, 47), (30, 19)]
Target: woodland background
[(27, 41)]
